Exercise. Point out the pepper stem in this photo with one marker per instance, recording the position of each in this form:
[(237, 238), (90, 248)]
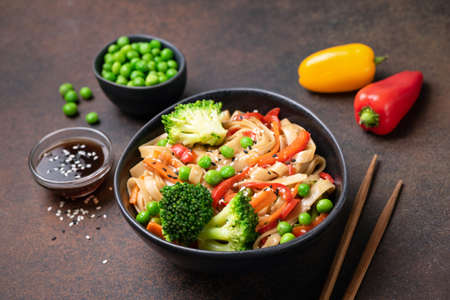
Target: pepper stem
[(379, 59), (368, 117)]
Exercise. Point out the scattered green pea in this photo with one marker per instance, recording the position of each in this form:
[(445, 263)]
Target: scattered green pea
[(246, 142), (122, 41), (162, 142), (304, 218), (70, 109), (71, 96), (284, 227), (227, 151), (64, 88), (183, 173), (213, 177), (204, 162), (91, 118), (324, 206), (143, 217), (287, 237), (303, 189), (85, 93), (153, 208), (227, 171)]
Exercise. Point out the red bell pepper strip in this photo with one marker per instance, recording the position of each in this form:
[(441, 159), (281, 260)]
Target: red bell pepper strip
[(285, 192), (299, 144), (266, 227), (220, 189), (326, 176), (380, 106), (183, 153), (248, 115), (289, 207)]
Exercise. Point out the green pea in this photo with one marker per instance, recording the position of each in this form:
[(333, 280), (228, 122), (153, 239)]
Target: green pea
[(85, 93), (107, 66), (166, 54), (227, 151), (121, 80), (171, 73), (113, 48), (109, 76), (108, 58), (157, 59), (303, 189), (304, 218), (172, 64), (91, 118), (151, 79), (246, 142), (143, 217), (204, 162), (71, 96), (125, 70), (130, 83), (144, 48), (183, 173), (141, 66), (162, 66), (147, 57), (135, 74), (324, 205), (213, 177), (125, 49), (153, 208), (122, 41), (247, 192), (284, 227), (287, 237), (70, 109), (151, 65), (156, 220), (160, 73), (162, 78), (227, 171), (138, 81), (120, 57), (162, 143), (155, 44), (64, 88), (132, 54), (155, 52), (153, 73), (135, 46), (116, 68)]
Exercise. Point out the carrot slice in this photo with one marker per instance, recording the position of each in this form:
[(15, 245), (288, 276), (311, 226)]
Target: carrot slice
[(155, 228), (161, 168), (263, 199), (134, 195)]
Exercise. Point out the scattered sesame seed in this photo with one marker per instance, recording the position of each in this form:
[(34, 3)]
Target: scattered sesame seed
[(93, 216), (61, 204), (49, 208), (98, 228), (70, 224), (88, 237), (63, 231), (61, 218), (98, 208), (104, 216), (104, 261), (53, 238)]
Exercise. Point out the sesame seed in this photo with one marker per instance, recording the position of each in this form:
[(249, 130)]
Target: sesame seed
[(98, 208), (49, 208), (70, 224), (104, 261), (63, 231), (104, 216), (98, 228), (53, 238), (83, 146), (61, 218), (88, 237), (61, 204), (93, 216)]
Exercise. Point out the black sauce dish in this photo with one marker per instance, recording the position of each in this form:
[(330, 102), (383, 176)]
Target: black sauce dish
[(307, 252), (146, 100)]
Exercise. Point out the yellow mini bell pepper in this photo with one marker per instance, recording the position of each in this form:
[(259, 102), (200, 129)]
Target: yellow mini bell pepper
[(338, 69)]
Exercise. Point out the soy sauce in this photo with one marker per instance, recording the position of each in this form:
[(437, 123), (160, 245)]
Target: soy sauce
[(71, 160)]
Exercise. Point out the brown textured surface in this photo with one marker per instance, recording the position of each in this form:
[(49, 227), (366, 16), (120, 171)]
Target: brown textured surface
[(236, 43)]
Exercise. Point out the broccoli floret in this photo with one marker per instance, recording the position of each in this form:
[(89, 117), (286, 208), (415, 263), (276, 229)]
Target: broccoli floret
[(184, 210), (197, 122), (232, 229)]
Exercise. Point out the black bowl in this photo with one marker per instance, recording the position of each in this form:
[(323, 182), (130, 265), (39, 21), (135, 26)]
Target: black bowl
[(147, 100), (308, 251)]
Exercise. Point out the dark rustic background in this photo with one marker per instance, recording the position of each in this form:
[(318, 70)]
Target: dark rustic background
[(228, 44)]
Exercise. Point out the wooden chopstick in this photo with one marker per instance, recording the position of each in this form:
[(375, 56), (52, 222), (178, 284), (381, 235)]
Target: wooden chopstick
[(372, 244), (352, 221)]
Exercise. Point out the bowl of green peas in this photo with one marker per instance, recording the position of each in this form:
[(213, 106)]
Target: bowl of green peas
[(141, 74)]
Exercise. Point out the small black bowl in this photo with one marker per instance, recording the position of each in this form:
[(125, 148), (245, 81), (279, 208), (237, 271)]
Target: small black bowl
[(309, 252), (146, 100)]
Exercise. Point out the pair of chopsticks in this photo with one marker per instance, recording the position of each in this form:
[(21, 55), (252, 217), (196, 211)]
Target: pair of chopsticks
[(372, 244)]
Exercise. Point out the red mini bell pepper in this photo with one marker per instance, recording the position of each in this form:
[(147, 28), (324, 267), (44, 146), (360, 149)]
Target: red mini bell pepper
[(380, 106)]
